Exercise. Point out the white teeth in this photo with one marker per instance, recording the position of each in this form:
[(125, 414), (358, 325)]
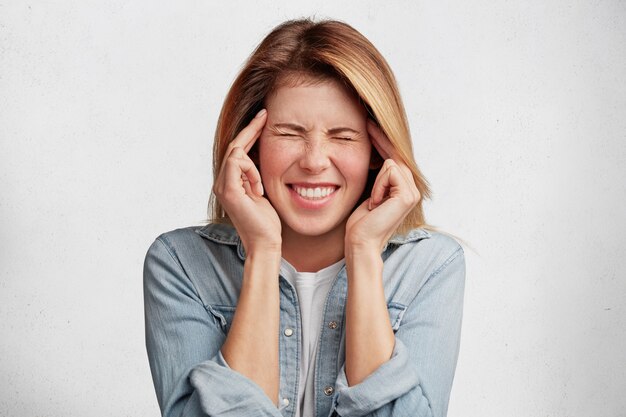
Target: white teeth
[(314, 193)]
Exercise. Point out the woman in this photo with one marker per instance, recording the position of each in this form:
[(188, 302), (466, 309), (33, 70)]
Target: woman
[(317, 289)]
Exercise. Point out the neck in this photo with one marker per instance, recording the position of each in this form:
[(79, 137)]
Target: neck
[(313, 253)]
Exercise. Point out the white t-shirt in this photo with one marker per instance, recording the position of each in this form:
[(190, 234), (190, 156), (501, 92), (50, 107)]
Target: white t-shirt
[(312, 289)]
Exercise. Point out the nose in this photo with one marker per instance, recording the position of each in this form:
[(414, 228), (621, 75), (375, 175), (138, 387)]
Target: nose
[(315, 157)]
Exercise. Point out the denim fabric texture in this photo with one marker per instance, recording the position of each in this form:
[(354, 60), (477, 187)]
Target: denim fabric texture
[(192, 279)]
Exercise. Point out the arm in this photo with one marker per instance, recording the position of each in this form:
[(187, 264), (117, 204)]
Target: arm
[(248, 343), (183, 344), (251, 347), (369, 337), (190, 376), (417, 380), (415, 377)]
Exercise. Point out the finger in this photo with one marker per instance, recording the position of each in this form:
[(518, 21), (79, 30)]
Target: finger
[(246, 184), (406, 171), (410, 181), (240, 171), (249, 134), (391, 182), (233, 153), (381, 185), (380, 141), (252, 179), (249, 173), (386, 149)]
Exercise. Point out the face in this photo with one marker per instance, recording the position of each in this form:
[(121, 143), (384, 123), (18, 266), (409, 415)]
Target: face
[(314, 156)]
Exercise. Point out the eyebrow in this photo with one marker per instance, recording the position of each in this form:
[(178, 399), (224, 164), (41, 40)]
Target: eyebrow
[(302, 129)]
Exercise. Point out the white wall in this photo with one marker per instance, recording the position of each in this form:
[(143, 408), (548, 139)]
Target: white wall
[(518, 114)]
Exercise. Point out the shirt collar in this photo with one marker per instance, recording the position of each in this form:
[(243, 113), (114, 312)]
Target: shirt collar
[(223, 233), (411, 236), (226, 234)]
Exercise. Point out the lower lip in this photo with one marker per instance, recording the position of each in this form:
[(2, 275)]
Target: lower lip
[(306, 203)]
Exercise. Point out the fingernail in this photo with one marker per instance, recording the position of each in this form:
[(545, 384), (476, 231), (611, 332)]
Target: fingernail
[(261, 113)]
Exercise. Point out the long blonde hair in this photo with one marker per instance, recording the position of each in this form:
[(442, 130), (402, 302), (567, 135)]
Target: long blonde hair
[(328, 49)]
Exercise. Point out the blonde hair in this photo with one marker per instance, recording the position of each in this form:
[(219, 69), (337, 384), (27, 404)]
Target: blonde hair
[(328, 49)]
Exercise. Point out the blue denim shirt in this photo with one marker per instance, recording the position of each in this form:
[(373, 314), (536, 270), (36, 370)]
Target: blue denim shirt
[(192, 280)]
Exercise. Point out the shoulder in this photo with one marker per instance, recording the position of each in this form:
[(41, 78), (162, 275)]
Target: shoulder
[(195, 243), (198, 236), (426, 243), (205, 259), (421, 256), (218, 233)]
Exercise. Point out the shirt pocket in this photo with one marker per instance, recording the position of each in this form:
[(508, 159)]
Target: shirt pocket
[(396, 312), (222, 315)]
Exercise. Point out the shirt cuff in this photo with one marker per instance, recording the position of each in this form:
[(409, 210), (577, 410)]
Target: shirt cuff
[(225, 392), (376, 390)]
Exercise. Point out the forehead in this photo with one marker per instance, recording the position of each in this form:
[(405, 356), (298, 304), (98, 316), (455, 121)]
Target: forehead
[(314, 99)]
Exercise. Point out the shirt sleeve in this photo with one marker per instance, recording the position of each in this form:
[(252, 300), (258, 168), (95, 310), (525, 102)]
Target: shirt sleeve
[(417, 379), (183, 340)]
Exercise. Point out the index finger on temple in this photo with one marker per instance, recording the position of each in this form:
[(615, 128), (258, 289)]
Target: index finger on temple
[(249, 134)]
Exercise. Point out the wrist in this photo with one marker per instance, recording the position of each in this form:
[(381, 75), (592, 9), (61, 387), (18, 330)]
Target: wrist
[(363, 258), (265, 248), (266, 252), (262, 266), (361, 250)]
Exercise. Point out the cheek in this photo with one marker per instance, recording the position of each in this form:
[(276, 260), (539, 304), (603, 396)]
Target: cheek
[(274, 159), (354, 162)]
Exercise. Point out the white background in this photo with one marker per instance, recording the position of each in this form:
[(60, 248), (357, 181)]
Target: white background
[(518, 116)]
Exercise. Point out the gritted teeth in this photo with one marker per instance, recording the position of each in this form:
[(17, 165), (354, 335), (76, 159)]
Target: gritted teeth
[(313, 192)]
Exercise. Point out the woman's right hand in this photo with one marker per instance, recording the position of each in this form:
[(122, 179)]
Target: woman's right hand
[(239, 189)]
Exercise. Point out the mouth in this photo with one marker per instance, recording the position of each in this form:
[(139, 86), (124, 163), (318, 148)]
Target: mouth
[(314, 192)]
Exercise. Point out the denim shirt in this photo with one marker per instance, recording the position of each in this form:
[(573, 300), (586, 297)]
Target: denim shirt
[(192, 280)]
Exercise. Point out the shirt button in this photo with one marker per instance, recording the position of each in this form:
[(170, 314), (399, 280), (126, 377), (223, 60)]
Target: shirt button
[(329, 391), (286, 401), (332, 325), (288, 332)]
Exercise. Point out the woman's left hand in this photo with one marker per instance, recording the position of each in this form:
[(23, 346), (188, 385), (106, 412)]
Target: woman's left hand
[(394, 195)]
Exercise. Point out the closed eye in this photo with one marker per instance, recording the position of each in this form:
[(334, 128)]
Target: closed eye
[(289, 135)]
